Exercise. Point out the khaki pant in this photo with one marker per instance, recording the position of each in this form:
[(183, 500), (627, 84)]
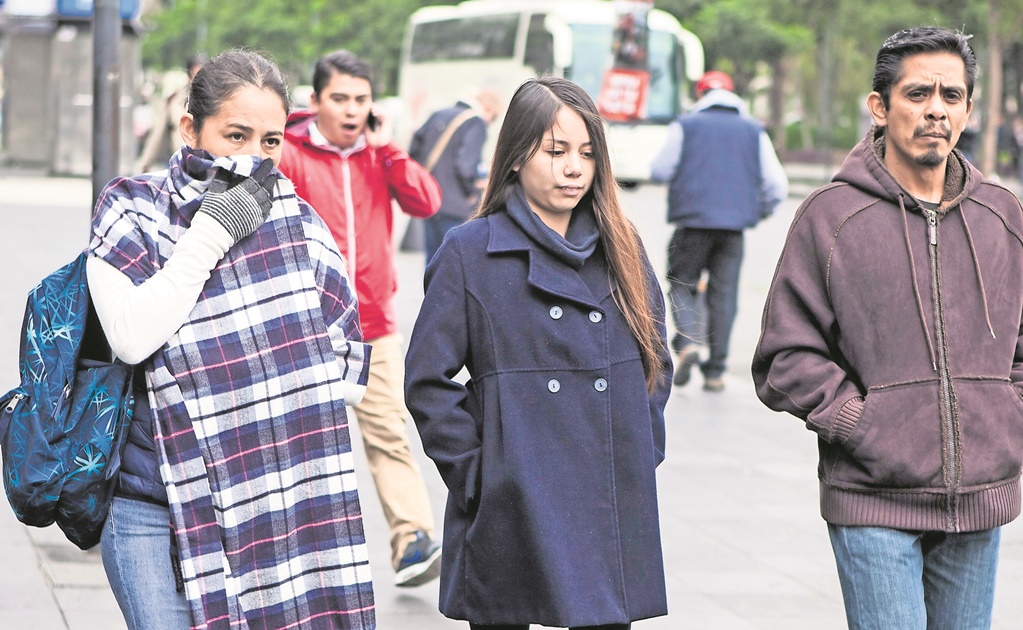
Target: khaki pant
[(381, 416)]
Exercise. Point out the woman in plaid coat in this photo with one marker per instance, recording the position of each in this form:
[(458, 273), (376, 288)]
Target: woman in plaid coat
[(228, 293)]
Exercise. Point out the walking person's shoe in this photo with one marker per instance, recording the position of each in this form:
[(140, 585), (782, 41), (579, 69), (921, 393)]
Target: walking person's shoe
[(687, 358), (714, 384), (420, 563)]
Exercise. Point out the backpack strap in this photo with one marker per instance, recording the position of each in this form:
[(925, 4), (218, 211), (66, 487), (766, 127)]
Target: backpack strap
[(445, 138)]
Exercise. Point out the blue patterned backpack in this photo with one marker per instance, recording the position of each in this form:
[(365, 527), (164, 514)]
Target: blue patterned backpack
[(61, 430)]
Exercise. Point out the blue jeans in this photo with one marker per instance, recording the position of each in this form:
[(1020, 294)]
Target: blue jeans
[(690, 252), (915, 580), (434, 229), (136, 556)]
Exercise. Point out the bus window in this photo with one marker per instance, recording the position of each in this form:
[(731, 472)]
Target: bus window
[(483, 37), (589, 65), (539, 46), (662, 102)]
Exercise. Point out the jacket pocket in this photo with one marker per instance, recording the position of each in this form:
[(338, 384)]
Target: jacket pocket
[(990, 431), (896, 443)]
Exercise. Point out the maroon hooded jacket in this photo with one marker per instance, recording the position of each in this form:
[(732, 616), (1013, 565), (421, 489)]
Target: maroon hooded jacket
[(894, 331)]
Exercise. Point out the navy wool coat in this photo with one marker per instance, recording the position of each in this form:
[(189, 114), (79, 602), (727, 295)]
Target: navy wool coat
[(549, 449)]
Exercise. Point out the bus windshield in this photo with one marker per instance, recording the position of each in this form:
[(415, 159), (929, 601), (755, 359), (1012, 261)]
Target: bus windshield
[(588, 69), (451, 52)]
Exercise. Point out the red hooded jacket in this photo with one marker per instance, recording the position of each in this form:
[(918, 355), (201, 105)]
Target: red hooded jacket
[(352, 190)]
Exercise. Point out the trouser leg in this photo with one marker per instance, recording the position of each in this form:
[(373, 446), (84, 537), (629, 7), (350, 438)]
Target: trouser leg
[(959, 579), (381, 416), (723, 267), (880, 570), (136, 558), (687, 253)]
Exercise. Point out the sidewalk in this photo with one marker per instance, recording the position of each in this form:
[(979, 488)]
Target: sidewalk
[(744, 545)]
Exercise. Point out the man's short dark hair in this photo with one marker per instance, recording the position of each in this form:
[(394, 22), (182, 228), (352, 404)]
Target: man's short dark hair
[(913, 41), (339, 62)]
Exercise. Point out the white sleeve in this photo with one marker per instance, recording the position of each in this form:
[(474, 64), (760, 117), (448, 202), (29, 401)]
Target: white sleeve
[(138, 320), (774, 183), (666, 162)]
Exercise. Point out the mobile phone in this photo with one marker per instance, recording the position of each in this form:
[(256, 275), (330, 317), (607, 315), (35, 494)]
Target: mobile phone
[(372, 122)]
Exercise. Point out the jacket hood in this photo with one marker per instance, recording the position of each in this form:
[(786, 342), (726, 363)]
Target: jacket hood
[(865, 169), (298, 124), (723, 99)]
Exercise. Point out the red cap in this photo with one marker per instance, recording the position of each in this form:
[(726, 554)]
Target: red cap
[(715, 80)]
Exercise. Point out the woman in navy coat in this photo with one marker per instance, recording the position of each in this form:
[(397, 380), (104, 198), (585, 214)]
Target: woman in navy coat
[(548, 450)]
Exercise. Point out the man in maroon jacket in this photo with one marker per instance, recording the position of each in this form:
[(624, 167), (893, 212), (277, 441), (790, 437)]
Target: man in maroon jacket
[(893, 328), (342, 160)]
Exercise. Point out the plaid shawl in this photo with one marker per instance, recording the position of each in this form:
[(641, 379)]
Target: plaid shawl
[(250, 417)]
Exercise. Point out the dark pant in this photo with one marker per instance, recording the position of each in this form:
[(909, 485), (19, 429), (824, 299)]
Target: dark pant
[(719, 252), (434, 229), (612, 626)]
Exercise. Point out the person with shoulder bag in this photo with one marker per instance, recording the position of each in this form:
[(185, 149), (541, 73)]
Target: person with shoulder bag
[(450, 146)]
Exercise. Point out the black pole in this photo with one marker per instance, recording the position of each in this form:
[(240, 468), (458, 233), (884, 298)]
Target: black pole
[(106, 91)]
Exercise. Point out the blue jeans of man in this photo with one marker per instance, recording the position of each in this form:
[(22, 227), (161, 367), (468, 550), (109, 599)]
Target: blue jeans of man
[(916, 580), (136, 557), (434, 229), (719, 252)]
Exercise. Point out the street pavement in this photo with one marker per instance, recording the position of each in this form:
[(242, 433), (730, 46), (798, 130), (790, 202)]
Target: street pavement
[(744, 545)]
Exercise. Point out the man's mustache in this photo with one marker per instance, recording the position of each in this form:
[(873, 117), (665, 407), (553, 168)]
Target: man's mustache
[(935, 130)]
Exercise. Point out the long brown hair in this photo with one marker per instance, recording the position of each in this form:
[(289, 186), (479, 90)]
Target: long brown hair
[(531, 114)]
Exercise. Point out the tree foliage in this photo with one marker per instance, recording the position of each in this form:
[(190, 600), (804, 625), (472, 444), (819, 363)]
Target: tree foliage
[(814, 57), (295, 34)]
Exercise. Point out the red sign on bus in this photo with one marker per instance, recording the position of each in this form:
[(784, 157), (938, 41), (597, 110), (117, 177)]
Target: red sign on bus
[(623, 94)]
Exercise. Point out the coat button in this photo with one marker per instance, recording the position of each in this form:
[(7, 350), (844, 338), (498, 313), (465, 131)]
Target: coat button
[(600, 384), (553, 386), (595, 317), (556, 312)]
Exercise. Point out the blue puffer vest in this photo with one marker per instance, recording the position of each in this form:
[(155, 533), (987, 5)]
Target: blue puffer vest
[(139, 477), (717, 181)]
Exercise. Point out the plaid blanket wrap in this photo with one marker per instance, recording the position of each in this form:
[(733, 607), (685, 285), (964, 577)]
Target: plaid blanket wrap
[(250, 417)]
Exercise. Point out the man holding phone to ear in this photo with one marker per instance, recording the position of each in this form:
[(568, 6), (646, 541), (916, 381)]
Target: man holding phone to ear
[(342, 160)]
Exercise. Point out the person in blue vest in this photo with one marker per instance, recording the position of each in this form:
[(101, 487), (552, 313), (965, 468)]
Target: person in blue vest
[(723, 177)]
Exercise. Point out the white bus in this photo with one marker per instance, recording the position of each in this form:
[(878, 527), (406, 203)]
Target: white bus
[(451, 51)]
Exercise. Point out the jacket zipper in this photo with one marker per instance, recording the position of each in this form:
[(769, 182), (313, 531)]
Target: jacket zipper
[(950, 449), (352, 254)]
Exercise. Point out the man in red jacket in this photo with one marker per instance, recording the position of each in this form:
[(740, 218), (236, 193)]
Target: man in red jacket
[(342, 160)]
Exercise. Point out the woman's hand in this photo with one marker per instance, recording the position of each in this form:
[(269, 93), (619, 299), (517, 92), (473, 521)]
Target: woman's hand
[(242, 206)]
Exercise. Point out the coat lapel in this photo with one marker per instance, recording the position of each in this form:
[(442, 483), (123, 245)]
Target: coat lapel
[(546, 273)]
